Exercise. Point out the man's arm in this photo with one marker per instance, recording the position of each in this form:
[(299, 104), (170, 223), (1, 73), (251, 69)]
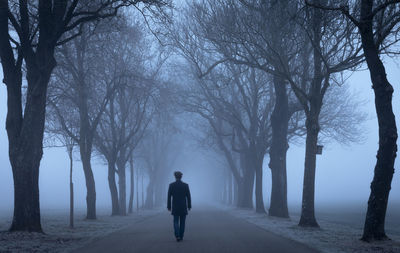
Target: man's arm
[(169, 198), (189, 199)]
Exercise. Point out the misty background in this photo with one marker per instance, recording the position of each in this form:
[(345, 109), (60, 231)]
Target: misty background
[(343, 176)]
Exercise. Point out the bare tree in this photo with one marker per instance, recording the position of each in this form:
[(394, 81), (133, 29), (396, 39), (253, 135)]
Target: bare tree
[(129, 125), (132, 185), (237, 102), (159, 147), (291, 46), (37, 29), (207, 142), (222, 30), (80, 82), (159, 151), (316, 62), (377, 23), (129, 109)]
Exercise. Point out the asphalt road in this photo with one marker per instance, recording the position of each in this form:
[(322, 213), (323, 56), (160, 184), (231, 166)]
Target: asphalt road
[(206, 231)]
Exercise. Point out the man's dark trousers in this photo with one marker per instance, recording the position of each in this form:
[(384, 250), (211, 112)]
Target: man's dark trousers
[(179, 225)]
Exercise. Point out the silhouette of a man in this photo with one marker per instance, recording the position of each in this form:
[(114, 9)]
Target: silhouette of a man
[(181, 202)]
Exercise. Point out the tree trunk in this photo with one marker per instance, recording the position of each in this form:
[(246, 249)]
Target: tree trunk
[(71, 189), (235, 192), (24, 158), (85, 148), (137, 189), (113, 188), (229, 188), (122, 187), (71, 205), (259, 183), (131, 192), (12, 78), (26, 195), (245, 190), (277, 153), (25, 153), (374, 228), (149, 204), (240, 196), (307, 218), (158, 196), (142, 191), (25, 134), (224, 190), (90, 186)]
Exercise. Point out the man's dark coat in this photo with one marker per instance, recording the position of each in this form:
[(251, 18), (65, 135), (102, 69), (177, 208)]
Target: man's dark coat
[(181, 201)]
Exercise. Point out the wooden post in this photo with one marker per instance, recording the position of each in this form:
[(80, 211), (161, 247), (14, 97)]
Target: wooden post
[(137, 189), (71, 189)]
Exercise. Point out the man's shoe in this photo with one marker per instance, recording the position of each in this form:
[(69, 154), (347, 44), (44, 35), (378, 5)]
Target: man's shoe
[(178, 239)]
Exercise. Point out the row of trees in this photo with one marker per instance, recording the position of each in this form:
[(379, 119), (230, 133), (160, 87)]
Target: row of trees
[(34, 36), (102, 97), (259, 74), (264, 72), (108, 97)]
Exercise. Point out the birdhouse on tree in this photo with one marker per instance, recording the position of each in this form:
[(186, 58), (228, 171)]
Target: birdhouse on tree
[(319, 149)]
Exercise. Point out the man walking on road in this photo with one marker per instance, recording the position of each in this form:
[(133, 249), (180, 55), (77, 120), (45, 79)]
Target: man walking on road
[(181, 202)]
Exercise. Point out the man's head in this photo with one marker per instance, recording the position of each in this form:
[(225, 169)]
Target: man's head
[(178, 175)]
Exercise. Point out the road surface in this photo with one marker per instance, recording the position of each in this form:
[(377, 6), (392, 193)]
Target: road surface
[(207, 231)]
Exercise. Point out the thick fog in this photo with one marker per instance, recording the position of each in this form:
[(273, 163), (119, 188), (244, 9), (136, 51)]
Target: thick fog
[(344, 173), (268, 109)]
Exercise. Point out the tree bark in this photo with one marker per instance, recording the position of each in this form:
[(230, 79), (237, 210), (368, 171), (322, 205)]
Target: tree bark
[(90, 186), (132, 182), (240, 196), (85, 147), (259, 185), (277, 153), (307, 218), (229, 188), (149, 203), (25, 130), (245, 190), (25, 134), (224, 190), (26, 197), (113, 188), (235, 192), (122, 186), (374, 228), (158, 194), (25, 151)]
